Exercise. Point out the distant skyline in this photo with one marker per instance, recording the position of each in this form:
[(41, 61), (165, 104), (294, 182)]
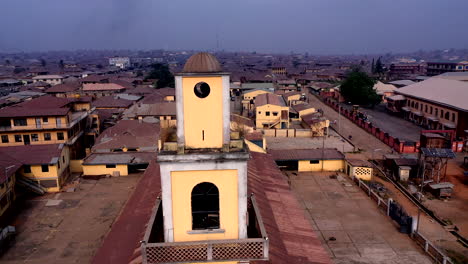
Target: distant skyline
[(319, 27)]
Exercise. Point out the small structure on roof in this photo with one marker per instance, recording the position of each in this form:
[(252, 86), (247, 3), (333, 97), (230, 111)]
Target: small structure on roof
[(433, 164), (309, 159)]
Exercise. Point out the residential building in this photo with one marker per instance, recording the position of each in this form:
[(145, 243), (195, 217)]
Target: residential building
[(121, 62), (111, 102), (316, 123), (384, 90), (271, 111), (294, 98), (8, 169), (361, 169), (44, 120), (248, 98), (309, 159), (400, 69), (165, 112), (437, 103), (101, 89), (436, 68), (50, 79), (303, 109), (43, 166), (125, 148)]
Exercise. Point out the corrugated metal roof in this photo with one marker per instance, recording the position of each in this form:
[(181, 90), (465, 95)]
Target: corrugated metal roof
[(306, 154)]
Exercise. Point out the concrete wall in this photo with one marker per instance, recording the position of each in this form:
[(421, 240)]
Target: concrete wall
[(102, 170), (328, 165), (76, 165), (287, 132)]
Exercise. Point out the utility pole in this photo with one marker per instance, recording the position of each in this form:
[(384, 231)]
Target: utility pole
[(323, 149)]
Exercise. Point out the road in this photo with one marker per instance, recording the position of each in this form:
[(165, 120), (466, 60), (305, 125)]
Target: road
[(349, 223), (370, 145)]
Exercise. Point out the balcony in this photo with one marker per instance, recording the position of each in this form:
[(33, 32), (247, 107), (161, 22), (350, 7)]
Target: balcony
[(76, 117), (255, 247)]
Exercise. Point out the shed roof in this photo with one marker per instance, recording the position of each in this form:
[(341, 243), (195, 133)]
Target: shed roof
[(306, 154), (34, 154), (269, 98)]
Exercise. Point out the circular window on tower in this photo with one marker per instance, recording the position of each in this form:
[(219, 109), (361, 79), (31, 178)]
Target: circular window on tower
[(202, 89)]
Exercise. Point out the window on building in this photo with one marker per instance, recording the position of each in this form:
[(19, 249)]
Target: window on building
[(425, 108), (314, 162), (416, 106), (18, 138), (5, 139), (430, 110), (27, 168), (436, 112), (47, 137), (110, 166), (453, 117), (60, 136), (447, 115), (34, 137), (275, 113), (20, 122), (63, 159), (441, 113), (259, 112), (205, 206), (45, 120), (45, 167), (267, 113)]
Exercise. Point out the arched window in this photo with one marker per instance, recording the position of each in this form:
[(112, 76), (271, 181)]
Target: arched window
[(430, 110), (436, 112), (205, 206), (447, 115), (441, 113), (453, 117), (416, 106)]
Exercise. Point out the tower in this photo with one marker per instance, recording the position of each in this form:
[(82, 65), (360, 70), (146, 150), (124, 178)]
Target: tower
[(204, 178)]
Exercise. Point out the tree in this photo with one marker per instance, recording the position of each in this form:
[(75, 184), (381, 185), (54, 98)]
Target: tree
[(43, 63), (61, 64), (358, 88), (162, 74), (378, 68), (7, 62), (373, 66)]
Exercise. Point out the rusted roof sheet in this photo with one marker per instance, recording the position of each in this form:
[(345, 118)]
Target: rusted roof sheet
[(302, 107), (63, 88), (359, 163), (202, 62), (8, 166), (34, 154), (268, 98), (102, 87), (41, 106), (306, 154), (111, 102), (119, 158), (241, 120), (128, 134), (122, 243), (292, 238)]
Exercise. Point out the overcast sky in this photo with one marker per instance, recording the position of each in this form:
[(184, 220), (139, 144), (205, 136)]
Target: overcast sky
[(314, 26)]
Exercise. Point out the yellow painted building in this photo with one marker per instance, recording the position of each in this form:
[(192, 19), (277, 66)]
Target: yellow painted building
[(106, 169), (8, 168), (271, 112), (44, 165), (316, 165), (204, 182), (304, 160)]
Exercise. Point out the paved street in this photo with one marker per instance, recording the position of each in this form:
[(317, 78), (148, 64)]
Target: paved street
[(351, 226), (360, 138), (395, 126)]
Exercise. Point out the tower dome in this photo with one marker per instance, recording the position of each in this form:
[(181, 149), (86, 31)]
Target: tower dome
[(202, 62)]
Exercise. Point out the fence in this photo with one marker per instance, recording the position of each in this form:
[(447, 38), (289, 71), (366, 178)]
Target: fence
[(396, 212), (287, 132)]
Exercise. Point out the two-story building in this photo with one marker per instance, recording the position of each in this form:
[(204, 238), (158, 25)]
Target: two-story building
[(50, 79), (44, 120), (271, 111)]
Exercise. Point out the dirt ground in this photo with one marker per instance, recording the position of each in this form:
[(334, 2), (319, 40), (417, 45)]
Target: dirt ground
[(68, 227), (350, 225)]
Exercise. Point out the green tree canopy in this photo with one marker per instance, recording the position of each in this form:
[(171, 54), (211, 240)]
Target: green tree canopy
[(358, 88), (162, 74)]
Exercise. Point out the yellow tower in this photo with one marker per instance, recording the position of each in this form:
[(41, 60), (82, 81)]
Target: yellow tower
[(204, 182)]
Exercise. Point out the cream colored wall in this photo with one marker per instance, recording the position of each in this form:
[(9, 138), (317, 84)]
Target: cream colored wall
[(5, 188), (31, 123), (328, 165), (102, 170), (182, 184), (306, 112), (253, 94), (261, 116), (81, 106), (76, 165), (357, 172), (203, 114)]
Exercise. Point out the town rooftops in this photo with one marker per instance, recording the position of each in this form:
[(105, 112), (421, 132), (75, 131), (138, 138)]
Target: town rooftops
[(46, 77), (111, 102), (458, 76), (41, 106), (450, 93), (128, 134), (8, 166), (306, 154), (63, 88), (102, 87), (301, 107), (269, 98), (157, 109), (202, 62), (381, 87), (34, 154), (402, 82)]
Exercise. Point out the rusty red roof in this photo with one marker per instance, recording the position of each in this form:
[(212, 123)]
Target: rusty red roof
[(268, 98), (34, 154), (8, 166), (111, 102), (202, 62), (102, 87), (306, 154), (63, 88), (41, 106)]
